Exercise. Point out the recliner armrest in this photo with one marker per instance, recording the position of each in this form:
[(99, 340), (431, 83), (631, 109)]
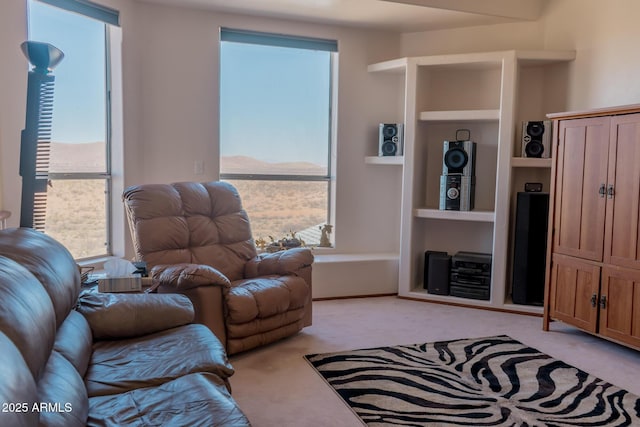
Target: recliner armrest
[(180, 277), (284, 262), (112, 316)]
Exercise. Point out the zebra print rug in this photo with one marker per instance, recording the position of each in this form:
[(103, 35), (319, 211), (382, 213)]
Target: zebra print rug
[(495, 381)]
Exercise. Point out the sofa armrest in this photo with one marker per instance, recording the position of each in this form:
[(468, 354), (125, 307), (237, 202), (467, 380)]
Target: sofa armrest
[(180, 277), (114, 316), (291, 261)]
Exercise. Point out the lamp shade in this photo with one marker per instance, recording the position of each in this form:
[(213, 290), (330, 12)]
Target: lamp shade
[(43, 56)]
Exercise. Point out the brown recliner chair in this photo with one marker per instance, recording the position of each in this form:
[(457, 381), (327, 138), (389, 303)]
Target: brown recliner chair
[(196, 240)]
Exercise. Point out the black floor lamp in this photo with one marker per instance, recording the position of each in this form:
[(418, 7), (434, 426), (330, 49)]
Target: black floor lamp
[(36, 136)]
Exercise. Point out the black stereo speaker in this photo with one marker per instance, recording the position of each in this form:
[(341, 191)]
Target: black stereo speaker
[(536, 139), (530, 248), (437, 266), (390, 139), (459, 157)]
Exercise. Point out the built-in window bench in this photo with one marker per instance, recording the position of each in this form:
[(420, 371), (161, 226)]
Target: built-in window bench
[(355, 274)]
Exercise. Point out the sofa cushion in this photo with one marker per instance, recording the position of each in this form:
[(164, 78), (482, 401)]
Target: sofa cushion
[(17, 388), (49, 261), (62, 396), (116, 316), (264, 297), (199, 399), (26, 315), (74, 341), (123, 365)]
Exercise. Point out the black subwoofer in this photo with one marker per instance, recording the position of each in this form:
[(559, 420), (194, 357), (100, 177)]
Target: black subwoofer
[(437, 266)]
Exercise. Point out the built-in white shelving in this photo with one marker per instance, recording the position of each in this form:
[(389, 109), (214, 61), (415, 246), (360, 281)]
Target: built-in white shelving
[(384, 160), (530, 162), (481, 92), (475, 215), (460, 115)]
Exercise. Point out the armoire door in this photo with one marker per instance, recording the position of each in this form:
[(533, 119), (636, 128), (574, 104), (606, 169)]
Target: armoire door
[(620, 305), (622, 242), (580, 194), (574, 292)]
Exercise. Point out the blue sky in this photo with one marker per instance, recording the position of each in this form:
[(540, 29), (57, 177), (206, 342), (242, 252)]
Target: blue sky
[(274, 103), (79, 99)]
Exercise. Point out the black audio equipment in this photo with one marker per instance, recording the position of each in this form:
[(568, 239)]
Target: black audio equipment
[(437, 267), (533, 187), (457, 192), (536, 139), (471, 275), (530, 248), (390, 140), (457, 182), (459, 157)]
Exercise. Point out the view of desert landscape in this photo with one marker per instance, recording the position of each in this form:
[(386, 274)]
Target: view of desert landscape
[(76, 209)]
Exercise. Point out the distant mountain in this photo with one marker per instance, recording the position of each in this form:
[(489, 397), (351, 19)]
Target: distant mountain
[(90, 157), (84, 157), (245, 164)]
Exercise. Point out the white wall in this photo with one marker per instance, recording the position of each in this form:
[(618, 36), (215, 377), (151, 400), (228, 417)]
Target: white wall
[(13, 88), (603, 33)]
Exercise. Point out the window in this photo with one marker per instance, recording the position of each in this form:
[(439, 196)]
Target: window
[(78, 201), (275, 130)]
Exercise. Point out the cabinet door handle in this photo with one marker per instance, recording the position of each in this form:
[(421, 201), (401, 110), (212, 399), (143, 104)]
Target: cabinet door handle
[(603, 302), (610, 191), (594, 300), (602, 190)]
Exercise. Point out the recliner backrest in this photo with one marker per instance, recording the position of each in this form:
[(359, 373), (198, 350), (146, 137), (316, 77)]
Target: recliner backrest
[(188, 222)]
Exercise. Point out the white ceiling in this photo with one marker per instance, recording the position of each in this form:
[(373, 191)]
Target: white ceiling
[(394, 15)]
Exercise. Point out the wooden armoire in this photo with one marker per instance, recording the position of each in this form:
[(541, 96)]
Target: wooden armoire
[(593, 251)]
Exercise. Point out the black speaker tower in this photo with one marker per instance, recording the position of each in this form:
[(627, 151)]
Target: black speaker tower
[(530, 248)]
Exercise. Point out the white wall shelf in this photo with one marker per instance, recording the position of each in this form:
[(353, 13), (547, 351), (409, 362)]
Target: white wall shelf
[(359, 257), (479, 216), (530, 162), (394, 65), (482, 92), (460, 115), (384, 160)]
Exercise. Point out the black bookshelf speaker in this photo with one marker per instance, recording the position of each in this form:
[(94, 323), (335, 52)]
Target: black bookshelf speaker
[(536, 139), (390, 139), (437, 268), (530, 248)]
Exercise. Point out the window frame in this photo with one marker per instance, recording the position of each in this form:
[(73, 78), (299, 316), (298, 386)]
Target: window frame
[(109, 17), (296, 42)]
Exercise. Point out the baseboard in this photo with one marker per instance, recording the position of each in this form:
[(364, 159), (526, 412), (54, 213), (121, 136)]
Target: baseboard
[(355, 296)]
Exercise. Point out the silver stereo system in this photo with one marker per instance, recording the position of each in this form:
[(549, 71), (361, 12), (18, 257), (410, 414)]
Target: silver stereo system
[(536, 139), (390, 141), (457, 182), (457, 192)]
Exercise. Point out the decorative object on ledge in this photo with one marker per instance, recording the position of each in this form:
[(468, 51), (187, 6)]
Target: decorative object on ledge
[(287, 242), (324, 238)]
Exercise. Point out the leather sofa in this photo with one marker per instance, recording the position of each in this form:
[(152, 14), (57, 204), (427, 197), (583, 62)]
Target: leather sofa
[(196, 239), (73, 359)]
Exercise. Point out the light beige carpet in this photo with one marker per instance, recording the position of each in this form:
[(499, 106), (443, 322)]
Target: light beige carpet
[(276, 387)]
